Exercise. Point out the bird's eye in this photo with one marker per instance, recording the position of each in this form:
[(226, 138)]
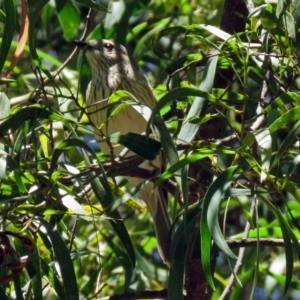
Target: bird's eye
[(108, 46)]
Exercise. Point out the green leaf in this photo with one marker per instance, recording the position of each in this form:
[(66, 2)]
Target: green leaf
[(290, 116), (178, 254), (282, 100), (288, 237), (281, 7), (198, 108), (2, 16), (140, 144), (264, 141), (36, 279), (15, 274), (9, 30), (63, 259), (281, 279), (68, 17), (289, 140), (289, 24), (195, 156), (121, 256), (4, 106), (3, 165), (170, 150), (289, 255), (127, 196), (103, 193), (93, 4), (3, 295), (292, 165), (51, 275), (209, 226), (166, 140), (262, 232), (120, 100), (34, 15), (64, 146), (183, 92), (20, 116)]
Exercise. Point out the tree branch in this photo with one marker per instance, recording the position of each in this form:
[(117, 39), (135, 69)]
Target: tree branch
[(162, 294), (264, 242)]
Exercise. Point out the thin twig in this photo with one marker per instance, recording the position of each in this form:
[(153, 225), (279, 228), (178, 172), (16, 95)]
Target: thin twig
[(263, 242), (227, 139), (263, 97), (73, 233), (186, 67), (85, 31), (240, 256)]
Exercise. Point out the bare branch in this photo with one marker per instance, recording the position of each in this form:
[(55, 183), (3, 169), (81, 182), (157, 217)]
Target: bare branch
[(263, 242), (162, 294)]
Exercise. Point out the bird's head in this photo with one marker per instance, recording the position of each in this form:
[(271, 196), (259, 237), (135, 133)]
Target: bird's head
[(104, 54)]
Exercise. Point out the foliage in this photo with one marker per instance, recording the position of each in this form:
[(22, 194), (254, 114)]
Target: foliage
[(69, 230)]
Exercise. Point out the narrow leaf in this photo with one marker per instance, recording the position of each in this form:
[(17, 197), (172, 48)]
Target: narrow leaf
[(62, 257), (288, 117), (264, 141), (198, 108), (209, 221), (178, 253), (68, 17), (8, 32), (140, 144)]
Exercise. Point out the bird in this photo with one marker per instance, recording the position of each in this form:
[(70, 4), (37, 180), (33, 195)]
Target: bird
[(113, 68)]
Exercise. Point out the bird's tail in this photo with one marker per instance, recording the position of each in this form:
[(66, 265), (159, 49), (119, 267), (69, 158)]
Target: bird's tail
[(156, 201), (157, 204)]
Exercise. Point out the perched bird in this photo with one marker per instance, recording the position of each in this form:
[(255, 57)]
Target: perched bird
[(113, 68)]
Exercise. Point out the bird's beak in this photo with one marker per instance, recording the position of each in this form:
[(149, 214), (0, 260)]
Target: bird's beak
[(80, 44)]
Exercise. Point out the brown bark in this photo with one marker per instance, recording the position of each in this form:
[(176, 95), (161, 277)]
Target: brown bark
[(233, 20)]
